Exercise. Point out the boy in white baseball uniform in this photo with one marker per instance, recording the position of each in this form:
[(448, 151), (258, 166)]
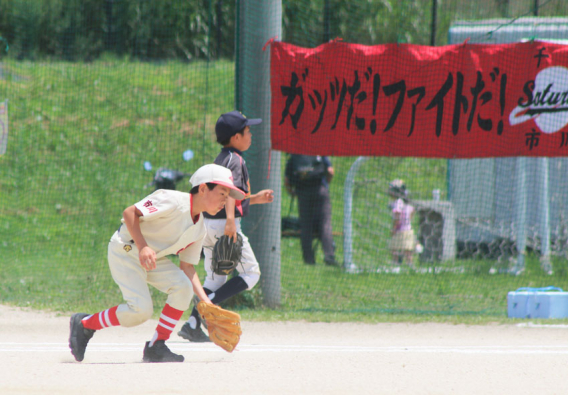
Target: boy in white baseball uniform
[(233, 133), (162, 224)]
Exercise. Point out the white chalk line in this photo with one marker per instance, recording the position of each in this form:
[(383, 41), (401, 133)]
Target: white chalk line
[(532, 325), (14, 347)]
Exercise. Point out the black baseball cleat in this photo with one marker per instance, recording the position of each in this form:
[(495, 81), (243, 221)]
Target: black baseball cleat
[(193, 335), (159, 352), (79, 336)]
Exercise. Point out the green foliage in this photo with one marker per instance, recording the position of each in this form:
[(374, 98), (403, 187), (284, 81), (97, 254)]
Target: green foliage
[(372, 22), (190, 30), (365, 22), (67, 30), (143, 29)]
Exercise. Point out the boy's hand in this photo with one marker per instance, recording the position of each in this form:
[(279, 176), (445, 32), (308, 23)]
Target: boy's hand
[(231, 229), (265, 196), (147, 258)]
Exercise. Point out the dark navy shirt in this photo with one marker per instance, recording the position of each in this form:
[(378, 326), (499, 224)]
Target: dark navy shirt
[(288, 172), (232, 159)]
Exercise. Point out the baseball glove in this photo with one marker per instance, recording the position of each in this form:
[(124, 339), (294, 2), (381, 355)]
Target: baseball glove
[(224, 326), (226, 254)]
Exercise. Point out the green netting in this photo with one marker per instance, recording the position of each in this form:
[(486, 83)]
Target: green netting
[(97, 88)]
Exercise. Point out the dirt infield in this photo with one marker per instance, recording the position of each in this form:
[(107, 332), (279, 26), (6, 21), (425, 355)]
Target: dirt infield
[(288, 358)]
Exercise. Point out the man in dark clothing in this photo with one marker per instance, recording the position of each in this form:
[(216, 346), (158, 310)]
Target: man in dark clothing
[(308, 177)]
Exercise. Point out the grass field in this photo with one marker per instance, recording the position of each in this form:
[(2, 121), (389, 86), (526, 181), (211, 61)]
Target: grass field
[(79, 135)]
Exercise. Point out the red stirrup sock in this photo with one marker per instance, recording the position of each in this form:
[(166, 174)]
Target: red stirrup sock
[(168, 321), (101, 320)]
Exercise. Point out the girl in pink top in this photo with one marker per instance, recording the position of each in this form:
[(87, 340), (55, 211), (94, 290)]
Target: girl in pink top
[(402, 241)]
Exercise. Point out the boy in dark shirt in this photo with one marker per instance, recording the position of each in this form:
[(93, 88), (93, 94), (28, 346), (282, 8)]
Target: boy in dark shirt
[(233, 133)]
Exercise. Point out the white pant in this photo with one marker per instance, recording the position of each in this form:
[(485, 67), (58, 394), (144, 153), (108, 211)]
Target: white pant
[(249, 270), (133, 281)]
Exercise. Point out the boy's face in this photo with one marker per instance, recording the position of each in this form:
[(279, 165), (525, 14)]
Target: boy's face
[(215, 199), (243, 141)]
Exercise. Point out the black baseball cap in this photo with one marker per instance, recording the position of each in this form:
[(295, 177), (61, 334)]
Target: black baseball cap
[(231, 123)]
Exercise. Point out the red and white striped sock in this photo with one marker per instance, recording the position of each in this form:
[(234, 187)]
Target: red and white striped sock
[(101, 320), (168, 321)]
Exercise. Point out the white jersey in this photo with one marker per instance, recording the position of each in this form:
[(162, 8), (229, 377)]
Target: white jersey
[(167, 225)]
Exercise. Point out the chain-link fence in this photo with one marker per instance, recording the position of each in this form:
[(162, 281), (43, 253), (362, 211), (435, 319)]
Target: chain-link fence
[(102, 94)]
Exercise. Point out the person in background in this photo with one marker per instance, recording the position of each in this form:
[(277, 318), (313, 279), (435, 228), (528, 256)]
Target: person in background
[(308, 177), (402, 243)]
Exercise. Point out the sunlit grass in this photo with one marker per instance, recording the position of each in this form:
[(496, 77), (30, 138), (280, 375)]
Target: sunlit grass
[(79, 134)]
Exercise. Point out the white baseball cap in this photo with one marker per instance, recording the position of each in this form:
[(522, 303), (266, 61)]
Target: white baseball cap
[(217, 175)]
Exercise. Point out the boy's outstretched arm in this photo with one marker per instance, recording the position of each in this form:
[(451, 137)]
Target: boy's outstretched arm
[(262, 197), (190, 272)]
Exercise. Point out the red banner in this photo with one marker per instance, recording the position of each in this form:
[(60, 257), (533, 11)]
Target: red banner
[(456, 101)]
